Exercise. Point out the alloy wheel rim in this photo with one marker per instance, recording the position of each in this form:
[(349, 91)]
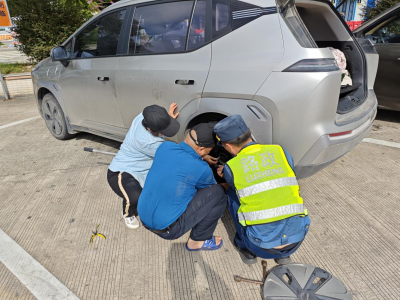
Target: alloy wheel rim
[(53, 118)]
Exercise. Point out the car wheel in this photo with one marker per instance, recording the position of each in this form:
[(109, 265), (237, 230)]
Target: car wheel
[(54, 118)]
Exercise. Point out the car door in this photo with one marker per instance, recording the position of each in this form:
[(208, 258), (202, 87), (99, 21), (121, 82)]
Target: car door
[(383, 32), (89, 82), (167, 58), (387, 44)]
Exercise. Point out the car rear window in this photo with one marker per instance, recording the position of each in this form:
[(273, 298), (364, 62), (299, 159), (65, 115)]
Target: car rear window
[(221, 17), (290, 15)]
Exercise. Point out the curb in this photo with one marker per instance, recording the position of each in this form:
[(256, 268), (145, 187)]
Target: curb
[(16, 76), (17, 84)]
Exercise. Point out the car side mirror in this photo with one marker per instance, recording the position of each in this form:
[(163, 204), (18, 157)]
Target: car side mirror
[(60, 54)]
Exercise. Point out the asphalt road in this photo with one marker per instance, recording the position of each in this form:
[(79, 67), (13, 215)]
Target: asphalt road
[(53, 194)]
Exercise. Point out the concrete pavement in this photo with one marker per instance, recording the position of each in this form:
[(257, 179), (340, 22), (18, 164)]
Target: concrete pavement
[(11, 55), (52, 195)]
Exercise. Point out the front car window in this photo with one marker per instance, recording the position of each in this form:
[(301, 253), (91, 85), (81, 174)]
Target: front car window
[(101, 37), (67, 48), (387, 33), (160, 28)]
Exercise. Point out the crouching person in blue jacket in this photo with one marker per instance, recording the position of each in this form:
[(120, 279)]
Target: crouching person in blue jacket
[(263, 196)]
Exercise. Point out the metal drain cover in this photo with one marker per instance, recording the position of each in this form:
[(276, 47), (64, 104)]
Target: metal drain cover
[(303, 282)]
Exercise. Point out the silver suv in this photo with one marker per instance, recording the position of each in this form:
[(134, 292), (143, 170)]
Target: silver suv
[(267, 60)]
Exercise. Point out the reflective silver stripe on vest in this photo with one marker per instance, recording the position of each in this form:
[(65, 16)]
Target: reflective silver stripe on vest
[(266, 186), (272, 213)]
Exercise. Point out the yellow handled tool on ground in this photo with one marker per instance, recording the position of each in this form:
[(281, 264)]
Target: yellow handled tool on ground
[(96, 233)]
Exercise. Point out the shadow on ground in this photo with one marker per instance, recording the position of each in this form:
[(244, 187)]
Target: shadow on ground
[(83, 136), (388, 115)]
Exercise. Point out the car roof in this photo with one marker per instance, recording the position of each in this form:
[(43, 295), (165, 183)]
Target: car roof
[(123, 3), (119, 4), (374, 19)]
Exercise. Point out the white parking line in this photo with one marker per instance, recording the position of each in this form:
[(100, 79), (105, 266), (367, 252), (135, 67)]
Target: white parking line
[(40, 282), (380, 142), (19, 122)]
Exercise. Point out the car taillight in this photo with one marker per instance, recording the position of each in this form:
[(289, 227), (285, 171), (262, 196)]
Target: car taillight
[(314, 65), (340, 133)]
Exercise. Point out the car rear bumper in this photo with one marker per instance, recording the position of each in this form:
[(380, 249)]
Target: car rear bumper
[(328, 149), (367, 108)]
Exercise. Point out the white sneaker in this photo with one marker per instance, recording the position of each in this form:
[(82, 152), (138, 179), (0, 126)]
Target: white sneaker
[(131, 222)]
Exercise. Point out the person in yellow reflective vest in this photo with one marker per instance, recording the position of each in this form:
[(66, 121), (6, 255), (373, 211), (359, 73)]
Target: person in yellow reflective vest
[(263, 196)]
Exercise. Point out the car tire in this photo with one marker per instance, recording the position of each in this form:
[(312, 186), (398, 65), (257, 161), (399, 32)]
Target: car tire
[(54, 118)]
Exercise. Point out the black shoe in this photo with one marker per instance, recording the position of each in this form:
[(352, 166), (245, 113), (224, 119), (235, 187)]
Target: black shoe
[(247, 257), (283, 260)]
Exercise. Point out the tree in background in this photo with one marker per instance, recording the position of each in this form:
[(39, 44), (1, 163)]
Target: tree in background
[(40, 25), (375, 7)]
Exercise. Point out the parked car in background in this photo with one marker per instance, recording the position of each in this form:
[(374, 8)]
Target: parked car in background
[(384, 33), (266, 60)]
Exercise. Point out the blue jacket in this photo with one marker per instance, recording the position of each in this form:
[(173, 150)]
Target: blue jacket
[(178, 172)]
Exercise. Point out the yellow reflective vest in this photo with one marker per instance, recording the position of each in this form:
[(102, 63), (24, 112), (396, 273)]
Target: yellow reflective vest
[(266, 185)]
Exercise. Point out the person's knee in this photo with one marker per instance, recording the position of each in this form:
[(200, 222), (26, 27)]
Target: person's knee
[(218, 192), (221, 198)]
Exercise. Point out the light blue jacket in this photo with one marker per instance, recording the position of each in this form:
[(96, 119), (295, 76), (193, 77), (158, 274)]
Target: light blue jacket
[(137, 152)]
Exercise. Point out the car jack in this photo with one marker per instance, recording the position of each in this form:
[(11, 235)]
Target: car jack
[(241, 279)]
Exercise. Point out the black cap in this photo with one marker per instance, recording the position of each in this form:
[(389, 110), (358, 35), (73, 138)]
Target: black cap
[(205, 134), (158, 119)]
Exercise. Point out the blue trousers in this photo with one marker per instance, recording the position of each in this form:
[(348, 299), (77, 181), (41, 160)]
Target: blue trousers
[(241, 238)]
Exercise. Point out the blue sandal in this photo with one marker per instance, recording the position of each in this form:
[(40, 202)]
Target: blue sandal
[(208, 245)]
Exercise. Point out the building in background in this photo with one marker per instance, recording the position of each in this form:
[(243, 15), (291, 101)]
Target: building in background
[(352, 8)]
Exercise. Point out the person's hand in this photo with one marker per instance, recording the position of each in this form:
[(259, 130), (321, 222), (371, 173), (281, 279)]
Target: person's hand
[(172, 109), (210, 160), (225, 185), (220, 171)]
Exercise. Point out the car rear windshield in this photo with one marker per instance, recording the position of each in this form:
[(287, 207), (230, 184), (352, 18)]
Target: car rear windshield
[(289, 13)]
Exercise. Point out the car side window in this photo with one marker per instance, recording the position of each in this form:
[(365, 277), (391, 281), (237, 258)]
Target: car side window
[(221, 17), (100, 38), (160, 28), (389, 33), (67, 48), (197, 32)]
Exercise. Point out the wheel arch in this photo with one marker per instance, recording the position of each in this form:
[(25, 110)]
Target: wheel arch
[(205, 118), (52, 88), (40, 95), (215, 109)]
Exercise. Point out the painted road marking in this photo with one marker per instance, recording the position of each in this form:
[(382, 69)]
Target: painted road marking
[(380, 142), (19, 122), (40, 282)]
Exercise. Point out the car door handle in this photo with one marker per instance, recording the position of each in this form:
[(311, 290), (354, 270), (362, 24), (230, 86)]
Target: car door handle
[(398, 59), (184, 82), (103, 78)]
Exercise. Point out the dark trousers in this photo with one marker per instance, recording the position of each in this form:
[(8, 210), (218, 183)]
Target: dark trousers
[(128, 188), (241, 238), (201, 215)]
